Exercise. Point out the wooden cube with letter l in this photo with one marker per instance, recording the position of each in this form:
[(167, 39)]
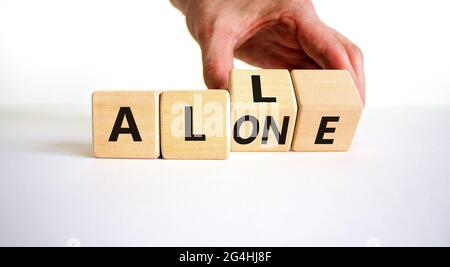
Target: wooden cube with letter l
[(125, 124), (329, 110), (195, 124), (263, 110)]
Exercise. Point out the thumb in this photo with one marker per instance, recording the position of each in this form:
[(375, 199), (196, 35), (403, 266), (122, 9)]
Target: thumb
[(330, 50), (217, 57), (320, 43)]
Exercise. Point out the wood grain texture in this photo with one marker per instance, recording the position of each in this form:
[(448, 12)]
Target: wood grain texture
[(325, 93), (144, 106), (275, 84), (210, 117)]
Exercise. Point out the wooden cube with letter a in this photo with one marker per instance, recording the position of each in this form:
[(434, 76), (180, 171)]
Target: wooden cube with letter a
[(125, 124), (329, 110), (263, 110), (195, 124)]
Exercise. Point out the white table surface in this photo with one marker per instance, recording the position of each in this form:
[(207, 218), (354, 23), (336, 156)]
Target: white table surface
[(392, 188)]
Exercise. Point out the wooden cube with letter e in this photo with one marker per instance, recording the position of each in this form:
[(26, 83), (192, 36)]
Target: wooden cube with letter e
[(195, 124), (125, 124), (329, 110), (263, 110)]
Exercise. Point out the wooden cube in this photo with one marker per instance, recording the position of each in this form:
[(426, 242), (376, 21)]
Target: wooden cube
[(125, 124), (195, 124), (329, 110), (263, 110)]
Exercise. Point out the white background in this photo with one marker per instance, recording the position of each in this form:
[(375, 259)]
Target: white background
[(60, 51), (392, 188)]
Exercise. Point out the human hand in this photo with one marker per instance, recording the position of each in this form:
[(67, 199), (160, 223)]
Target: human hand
[(284, 34)]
